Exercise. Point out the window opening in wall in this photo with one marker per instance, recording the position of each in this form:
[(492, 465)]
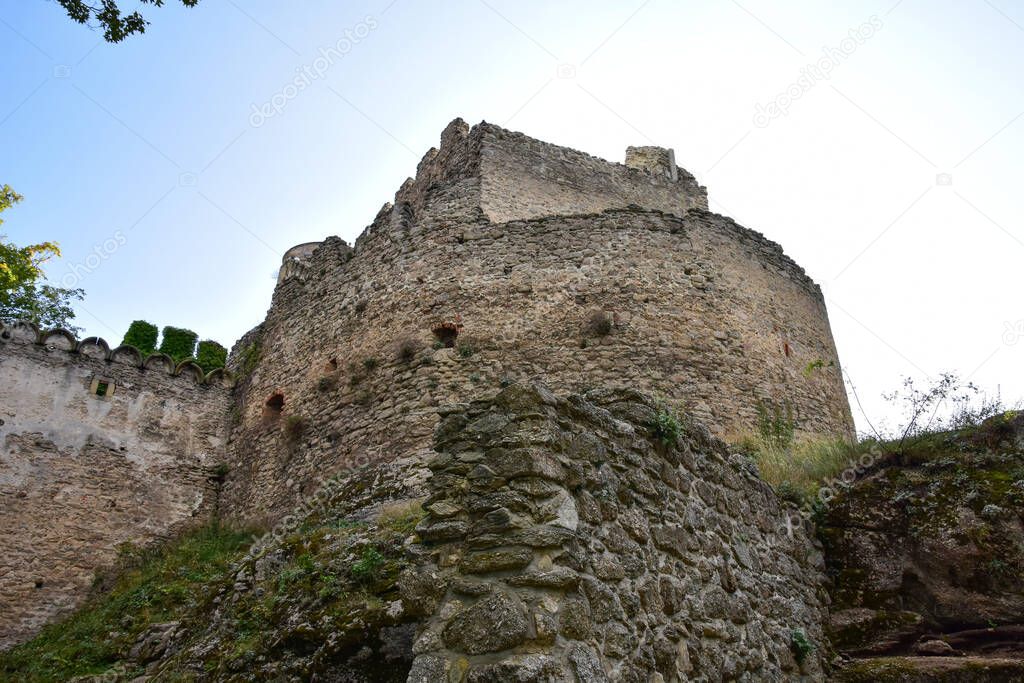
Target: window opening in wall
[(273, 407), (446, 333), (101, 387)]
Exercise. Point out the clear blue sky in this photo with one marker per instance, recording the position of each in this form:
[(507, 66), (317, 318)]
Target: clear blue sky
[(895, 180)]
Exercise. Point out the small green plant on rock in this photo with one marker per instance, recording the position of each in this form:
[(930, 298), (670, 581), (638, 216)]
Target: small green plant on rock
[(666, 426), (365, 568), (406, 350), (775, 424), (800, 645), (294, 427)]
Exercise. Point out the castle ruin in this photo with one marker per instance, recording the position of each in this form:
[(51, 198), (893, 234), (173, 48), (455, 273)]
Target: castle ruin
[(505, 260)]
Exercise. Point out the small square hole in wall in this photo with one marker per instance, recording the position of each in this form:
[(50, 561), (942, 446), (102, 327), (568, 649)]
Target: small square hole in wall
[(273, 408), (102, 388)]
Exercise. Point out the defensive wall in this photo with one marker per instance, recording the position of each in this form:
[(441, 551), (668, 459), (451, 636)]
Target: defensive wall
[(458, 288), (98, 447)]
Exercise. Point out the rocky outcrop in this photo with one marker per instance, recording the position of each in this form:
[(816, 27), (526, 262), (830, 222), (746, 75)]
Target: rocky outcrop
[(926, 554)]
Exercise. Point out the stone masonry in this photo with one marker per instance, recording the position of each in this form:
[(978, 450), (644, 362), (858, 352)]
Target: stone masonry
[(504, 260), (507, 258), (571, 542), (81, 473)]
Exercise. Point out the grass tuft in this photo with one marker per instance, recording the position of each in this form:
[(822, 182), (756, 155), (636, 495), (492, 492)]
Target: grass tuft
[(148, 587)]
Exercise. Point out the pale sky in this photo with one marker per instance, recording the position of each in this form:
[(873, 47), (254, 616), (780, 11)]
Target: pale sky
[(892, 175)]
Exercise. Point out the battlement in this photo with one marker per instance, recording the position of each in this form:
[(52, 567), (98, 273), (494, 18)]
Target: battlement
[(25, 333), (101, 446)]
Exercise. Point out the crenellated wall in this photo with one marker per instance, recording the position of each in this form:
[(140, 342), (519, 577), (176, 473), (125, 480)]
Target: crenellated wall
[(98, 447), (695, 308)]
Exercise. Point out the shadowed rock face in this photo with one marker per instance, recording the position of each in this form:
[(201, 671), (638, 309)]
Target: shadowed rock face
[(931, 547)]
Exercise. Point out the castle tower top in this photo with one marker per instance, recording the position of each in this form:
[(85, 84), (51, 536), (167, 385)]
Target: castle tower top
[(509, 176), (656, 160)]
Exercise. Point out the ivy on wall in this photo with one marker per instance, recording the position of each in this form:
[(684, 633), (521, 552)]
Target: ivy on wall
[(178, 343), (210, 355), (142, 335)]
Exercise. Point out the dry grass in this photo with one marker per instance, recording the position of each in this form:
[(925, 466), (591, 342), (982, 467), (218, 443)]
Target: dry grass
[(797, 471)]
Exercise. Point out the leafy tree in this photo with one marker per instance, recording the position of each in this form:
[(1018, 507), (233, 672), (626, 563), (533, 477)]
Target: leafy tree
[(116, 26), (210, 355), (142, 335), (178, 343), (23, 293)]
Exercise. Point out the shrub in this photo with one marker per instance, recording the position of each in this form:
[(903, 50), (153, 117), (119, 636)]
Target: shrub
[(666, 426), (775, 424), (599, 324), (365, 568), (406, 349), (294, 427), (178, 343), (210, 355), (465, 350), (370, 363), (142, 335), (800, 645), (327, 383)]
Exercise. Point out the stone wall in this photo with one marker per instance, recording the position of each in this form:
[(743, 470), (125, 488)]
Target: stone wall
[(697, 309), (82, 473), (570, 543), (525, 178)]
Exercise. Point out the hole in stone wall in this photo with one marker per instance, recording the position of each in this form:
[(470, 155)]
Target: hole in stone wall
[(39, 584), (331, 366), (446, 334), (786, 349), (273, 407), (101, 387)]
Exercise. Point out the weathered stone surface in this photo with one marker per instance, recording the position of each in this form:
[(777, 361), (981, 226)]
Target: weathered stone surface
[(81, 474), (496, 560), (912, 551), (629, 594), (495, 623)]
